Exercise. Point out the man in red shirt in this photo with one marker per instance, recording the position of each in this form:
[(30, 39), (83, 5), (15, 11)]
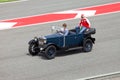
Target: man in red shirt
[(84, 24)]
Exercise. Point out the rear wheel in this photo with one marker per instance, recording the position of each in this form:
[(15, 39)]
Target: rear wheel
[(33, 49), (87, 46), (50, 52)]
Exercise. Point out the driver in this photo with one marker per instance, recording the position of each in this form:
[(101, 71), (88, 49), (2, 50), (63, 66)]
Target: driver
[(64, 29)]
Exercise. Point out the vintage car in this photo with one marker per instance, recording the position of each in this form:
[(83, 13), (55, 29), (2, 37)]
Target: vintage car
[(50, 44)]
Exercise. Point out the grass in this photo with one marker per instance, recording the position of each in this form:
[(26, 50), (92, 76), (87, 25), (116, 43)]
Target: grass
[(1, 1)]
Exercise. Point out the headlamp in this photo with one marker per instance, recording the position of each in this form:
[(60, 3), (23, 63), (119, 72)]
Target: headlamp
[(35, 38), (42, 40)]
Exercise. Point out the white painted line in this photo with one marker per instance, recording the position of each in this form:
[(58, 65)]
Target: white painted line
[(99, 5), (62, 11), (98, 76), (56, 21), (13, 2), (6, 25), (87, 13), (92, 12), (107, 13)]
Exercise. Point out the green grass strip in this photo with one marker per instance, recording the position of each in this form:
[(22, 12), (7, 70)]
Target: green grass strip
[(1, 1)]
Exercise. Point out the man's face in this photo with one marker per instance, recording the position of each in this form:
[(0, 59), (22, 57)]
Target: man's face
[(64, 27), (82, 16)]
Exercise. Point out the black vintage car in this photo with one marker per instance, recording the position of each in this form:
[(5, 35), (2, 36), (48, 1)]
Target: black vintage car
[(50, 44)]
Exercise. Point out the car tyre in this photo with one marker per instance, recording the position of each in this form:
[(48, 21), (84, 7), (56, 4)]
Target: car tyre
[(50, 52), (33, 50), (87, 45)]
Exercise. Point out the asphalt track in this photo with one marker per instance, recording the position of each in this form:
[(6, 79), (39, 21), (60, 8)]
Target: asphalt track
[(15, 64)]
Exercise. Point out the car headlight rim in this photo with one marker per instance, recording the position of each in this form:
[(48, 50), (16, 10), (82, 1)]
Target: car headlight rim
[(35, 38), (42, 40)]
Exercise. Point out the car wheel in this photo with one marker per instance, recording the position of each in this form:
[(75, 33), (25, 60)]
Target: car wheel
[(87, 46), (50, 52), (33, 49)]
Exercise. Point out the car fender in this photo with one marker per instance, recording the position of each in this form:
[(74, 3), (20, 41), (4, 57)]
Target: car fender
[(32, 42), (89, 37), (50, 45)]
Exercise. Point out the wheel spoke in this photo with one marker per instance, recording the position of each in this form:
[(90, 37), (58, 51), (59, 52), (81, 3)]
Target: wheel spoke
[(88, 45), (50, 52)]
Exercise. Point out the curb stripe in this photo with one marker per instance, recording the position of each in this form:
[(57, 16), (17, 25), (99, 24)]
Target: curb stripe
[(99, 76), (63, 15)]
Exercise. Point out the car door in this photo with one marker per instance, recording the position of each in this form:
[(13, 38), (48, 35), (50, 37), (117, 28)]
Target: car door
[(73, 40)]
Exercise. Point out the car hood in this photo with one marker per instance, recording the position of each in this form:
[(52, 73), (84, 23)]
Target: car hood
[(56, 39), (53, 35)]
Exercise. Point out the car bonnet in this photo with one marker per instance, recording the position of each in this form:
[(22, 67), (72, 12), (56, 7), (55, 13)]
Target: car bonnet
[(53, 35)]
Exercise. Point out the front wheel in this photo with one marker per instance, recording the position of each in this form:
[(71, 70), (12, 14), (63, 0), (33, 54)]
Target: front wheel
[(50, 52), (33, 49), (87, 46)]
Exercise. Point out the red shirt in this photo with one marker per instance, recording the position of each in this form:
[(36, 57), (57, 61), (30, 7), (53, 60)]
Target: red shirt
[(84, 22)]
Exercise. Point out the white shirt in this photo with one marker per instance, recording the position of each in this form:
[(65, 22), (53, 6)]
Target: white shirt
[(65, 31)]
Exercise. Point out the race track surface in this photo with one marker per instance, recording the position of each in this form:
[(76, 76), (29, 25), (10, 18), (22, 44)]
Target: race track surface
[(17, 64)]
